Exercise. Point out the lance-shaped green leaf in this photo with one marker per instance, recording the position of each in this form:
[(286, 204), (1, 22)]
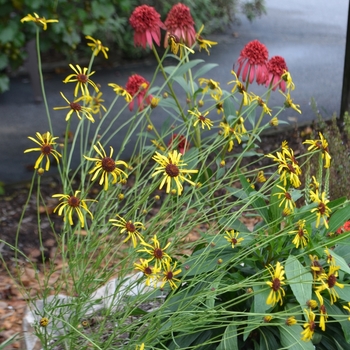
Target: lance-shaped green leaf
[(291, 338), (299, 279), (229, 338)]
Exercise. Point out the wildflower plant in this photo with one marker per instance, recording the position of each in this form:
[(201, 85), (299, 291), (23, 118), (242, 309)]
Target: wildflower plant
[(179, 209)]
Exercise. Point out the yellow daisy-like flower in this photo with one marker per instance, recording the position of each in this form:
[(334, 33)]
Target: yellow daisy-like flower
[(38, 20), (322, 211), (329, 281), (330, 257), (158, 145), (151, 273), (140, 347), (277, 292), (72, 204), (261, 177), (347, 308), (106, 166), (288, 79), (212, 86), (82, 78), (171, 168), (302, 236), (286, 198), (309, 326), (201, 118), (96, 46), (241, 89), (156, 251), (321, 145), (316, 267), (263, 105), (46, 142), (77, 108), (232, 237), (169, 274), (288, 103), (312, 304), (131, 228), (202, 43), (274, 121), (95, 103), (291, 321), (121, 92), (323, 317), (175, 44)]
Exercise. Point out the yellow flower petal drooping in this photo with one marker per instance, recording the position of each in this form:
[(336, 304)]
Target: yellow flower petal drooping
[(97, 47), (277, 292), (38, 20)]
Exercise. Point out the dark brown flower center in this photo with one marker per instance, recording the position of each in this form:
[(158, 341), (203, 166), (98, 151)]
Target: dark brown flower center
[(46, 149), (147, 271), (172, 38), (82, 78), (73, 202), (317, 267), (301, 232), (332, 280), (75, 106), (312, 325), (108, 164), (158, 253), (322, 208), (323, 309), (234, 240), (130, 226), (201, 118), (212, 85), (172, 170), (169, 275), (288, 196), (276, 284)]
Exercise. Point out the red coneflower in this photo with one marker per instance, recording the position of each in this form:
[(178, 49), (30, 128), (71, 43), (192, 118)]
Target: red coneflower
[(180, 142), (276, 67), (146, 22), (252, 61), (138, 86), (180, 23)]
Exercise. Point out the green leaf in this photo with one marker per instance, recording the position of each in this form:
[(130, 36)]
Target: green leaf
[(229, 338), (340, 262), (299, 279), (4, 83), (7, 34), (3, 61), (291, 338), (204, 69), (344, 293), (181, 70), (339, 218)]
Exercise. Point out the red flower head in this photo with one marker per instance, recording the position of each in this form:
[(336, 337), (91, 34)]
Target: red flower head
[(138, 86), (276, 66), (180, 142), (146, 22), (252, 61), (180, 23)]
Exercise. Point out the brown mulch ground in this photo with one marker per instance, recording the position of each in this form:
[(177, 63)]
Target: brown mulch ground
[(12, 303)]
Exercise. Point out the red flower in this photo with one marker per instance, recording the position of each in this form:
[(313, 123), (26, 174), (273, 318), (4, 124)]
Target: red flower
[(180, 23), (146, 22), (180, 142), (252, 61), (138, 86), (276, 66), (344, 228)]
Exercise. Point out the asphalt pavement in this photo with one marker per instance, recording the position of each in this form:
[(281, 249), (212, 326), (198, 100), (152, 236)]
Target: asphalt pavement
[(310, 35)]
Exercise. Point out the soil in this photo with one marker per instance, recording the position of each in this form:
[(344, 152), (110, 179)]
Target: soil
[(12, 303)]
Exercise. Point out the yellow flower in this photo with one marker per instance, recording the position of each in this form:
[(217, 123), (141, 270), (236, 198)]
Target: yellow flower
[(330, 258), (95, 103), (347, 308), (72, 203), (241, 89), (290, 321), (38, 20), (232, 238), (140, 347), (46, 142), (288, 103), (202, 43), (322, 211), (131, 228), (212, 86), (158, 145), (155, 251), (151, 273), (77, 108), (287, 198), (323, 312), (169, 273), (44, 322), (316, 267), (96, 46), (321, 145), (277, 292), (175, 45), (261, 177), (201, 118), (107, 166), (171, 168), (274, 121), (309, 326), (266, 109), (312, 303), (288, 79), (82, 77), (301, 238), (329, 281), (121, 92)]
